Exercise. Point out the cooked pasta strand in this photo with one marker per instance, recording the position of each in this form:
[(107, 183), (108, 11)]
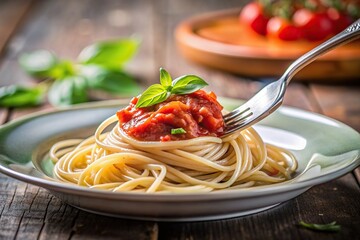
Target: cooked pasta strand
[(116, 162)]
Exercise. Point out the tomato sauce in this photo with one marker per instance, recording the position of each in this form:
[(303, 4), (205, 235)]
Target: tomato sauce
[(198, 113)]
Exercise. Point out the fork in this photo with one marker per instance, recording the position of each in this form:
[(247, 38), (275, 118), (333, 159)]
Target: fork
[(269, 98)]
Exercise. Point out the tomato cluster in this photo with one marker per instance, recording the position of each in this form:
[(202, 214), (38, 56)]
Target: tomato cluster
[(302, 24)]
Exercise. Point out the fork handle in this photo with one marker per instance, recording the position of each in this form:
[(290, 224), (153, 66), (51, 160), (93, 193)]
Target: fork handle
[(350, 33)]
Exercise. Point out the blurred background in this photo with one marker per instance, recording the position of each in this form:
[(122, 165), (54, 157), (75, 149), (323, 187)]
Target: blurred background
[(139, 35), (65, 28)]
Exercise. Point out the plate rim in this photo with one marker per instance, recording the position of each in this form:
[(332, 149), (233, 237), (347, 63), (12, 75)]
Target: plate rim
[(165, 197)]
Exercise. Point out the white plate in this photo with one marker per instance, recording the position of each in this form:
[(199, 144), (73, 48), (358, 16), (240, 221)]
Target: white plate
[(325, 148)]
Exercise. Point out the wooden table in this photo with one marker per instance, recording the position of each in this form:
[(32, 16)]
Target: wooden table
[(65, 27)]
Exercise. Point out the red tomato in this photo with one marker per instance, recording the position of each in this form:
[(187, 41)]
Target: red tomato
[(339, 20), (253, 16), (280, 28), (315, 26)]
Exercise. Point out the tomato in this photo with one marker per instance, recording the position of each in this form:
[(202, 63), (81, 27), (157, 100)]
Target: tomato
[(253, 16), (339, 20), (315, 26), (280, 28)]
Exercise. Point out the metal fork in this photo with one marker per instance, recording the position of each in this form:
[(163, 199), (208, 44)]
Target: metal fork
[(269, 98)]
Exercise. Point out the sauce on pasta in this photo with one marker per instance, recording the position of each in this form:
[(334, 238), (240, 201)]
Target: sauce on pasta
[(198, 114)]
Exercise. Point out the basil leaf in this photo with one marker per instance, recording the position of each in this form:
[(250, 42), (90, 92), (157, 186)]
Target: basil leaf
[(187, 84), (39, 63), (63, 69), (154, 94), (177, 131), (109, 54), (160, 92), (111, 81), (18, 96), (321, 227), (67, 91), (165, 79)]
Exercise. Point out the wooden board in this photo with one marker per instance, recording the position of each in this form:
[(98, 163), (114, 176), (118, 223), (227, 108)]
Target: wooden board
[(218, 40), (28, 212)]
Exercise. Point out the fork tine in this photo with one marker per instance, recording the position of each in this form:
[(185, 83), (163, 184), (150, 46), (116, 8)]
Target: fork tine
[(239, 118), (235, 113), (234, 128)]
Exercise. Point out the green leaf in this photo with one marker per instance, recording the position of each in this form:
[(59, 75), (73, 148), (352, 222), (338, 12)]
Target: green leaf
[(109, 54), (177, 131), (322, 227), (44, 64), (39, 63), (353, 10), (187, 84), (159, 92), (68, 91), (18, 96), (111, 81), (154, 94), (63, 69), (165, 79)]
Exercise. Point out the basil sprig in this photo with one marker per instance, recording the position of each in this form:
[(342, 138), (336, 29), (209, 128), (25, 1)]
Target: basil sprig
[(40, 64), (109, 54), (158, 93), (332, 227), (19, 96), (99, 67)]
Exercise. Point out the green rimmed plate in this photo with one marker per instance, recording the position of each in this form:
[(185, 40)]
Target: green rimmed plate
[(325, 148)]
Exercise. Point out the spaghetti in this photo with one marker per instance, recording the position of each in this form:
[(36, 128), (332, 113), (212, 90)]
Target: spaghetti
[(169, 140), (116, 162)]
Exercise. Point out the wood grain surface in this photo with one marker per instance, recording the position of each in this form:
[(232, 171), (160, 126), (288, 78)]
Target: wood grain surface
[(65, 27)]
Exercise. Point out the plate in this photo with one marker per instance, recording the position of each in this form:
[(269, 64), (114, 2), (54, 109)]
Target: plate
[(218, 40), (325, 148)]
